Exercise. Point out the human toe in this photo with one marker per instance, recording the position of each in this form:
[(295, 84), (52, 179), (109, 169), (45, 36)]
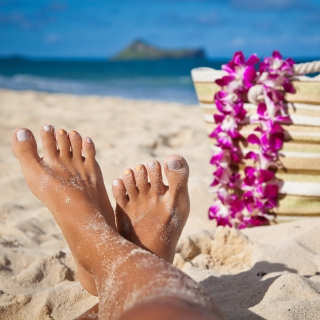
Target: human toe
[(24, 146), (130, 183), (63, 143), (177, 171), (155, 176), (76, 144), (49, 141), (141, 177), (88, 149), (120, 193)]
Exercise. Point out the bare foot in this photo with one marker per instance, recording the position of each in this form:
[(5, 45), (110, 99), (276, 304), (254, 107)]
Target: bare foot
[(70, 185), (151, 214)]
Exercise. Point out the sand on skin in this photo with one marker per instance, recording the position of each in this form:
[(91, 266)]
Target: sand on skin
[(261, 273)]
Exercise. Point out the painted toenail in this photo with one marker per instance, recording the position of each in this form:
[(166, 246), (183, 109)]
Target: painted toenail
[(47, 128), (174, 164), (151, 164), (138, 168), (62, 132), (23, 135), (89, 140), (127, 172), (115, 183)]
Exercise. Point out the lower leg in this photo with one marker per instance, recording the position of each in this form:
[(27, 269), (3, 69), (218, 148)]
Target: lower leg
[(166, 308), (156, 309), (132, 282)]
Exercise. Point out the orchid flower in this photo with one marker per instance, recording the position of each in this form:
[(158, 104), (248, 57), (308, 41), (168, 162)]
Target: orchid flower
[(241, 73), (248, 202)]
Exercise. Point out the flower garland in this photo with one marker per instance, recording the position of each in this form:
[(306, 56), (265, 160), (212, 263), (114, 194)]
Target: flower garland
[(249, 201)]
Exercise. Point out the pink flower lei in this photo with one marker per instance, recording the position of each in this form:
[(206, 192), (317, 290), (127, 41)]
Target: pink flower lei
[(249, 201)]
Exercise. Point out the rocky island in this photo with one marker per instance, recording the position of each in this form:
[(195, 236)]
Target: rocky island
[(141, 50)]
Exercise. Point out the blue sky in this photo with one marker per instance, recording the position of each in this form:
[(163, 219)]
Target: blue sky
[(101, 28)]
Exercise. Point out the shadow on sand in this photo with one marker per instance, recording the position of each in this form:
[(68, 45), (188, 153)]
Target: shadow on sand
[(237, 293)]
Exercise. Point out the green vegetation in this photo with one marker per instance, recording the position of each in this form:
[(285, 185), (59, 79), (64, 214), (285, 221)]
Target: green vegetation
[(140, 50)]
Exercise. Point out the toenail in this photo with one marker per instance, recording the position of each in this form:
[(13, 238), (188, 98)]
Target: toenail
[(174, 164), (127, 172), (89, 140), (47, 128), (72, 132), (138, 168), (115, 183), (151, 164), (62, 132), (23, 135)]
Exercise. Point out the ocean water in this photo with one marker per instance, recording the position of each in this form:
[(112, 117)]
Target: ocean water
[(164, 80)]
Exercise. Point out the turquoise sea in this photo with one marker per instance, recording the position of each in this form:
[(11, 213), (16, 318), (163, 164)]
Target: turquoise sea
[(165, 80)]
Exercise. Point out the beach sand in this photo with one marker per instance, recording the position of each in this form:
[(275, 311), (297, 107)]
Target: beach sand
[(261, 273)]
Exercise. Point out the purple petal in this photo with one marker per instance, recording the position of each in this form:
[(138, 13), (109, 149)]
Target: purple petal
[(224, 142), (213, 211), (240, 112), (218, 118), (235, 158), (263, 67), (290, 61), (214, 183), (258, 221), (248, 194), (262, 108), (249, 203), (264, 140), (265, 175), (237, 206), (220, 106), (235, 181), (215, 132), (219, 172), (276, 140), (223, 222), (238, 58), (271, 203), (224, 81), (249, 74), (221, 94), (285, 120), (252, 60), (253, 139), (259, 204), (249, 171), (216, 158), (288, 87), (279, 94), (251, 155), (276, 54), (276, 128), (229, 67), (271, 190)]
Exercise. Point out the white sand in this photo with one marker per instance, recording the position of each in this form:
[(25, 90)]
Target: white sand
[(261, 273)]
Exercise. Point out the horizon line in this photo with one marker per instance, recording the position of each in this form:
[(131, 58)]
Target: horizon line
[(105, 58)]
